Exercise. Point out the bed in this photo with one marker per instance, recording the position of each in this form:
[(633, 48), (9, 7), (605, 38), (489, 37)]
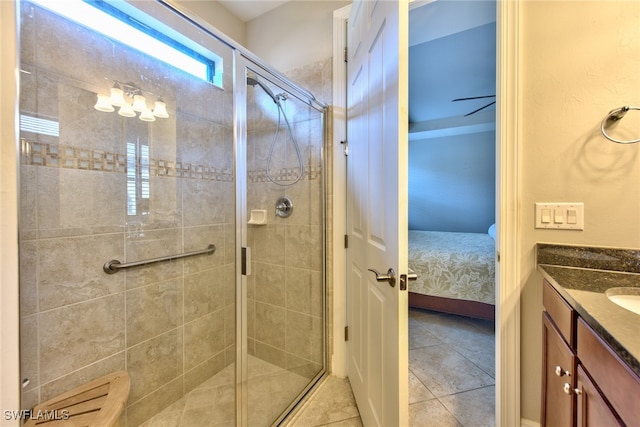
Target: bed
[(456, 272)]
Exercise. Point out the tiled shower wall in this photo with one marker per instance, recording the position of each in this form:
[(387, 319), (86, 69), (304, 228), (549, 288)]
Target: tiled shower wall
[(286, 305), (170, 325)]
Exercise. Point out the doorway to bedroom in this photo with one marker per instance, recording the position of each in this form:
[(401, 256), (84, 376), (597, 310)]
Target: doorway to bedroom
[(452, 211)]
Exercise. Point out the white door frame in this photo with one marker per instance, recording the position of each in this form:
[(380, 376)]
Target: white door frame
[(507, 212)]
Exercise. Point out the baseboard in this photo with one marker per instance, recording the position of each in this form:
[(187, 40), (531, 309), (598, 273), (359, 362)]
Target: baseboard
[(528, 423)]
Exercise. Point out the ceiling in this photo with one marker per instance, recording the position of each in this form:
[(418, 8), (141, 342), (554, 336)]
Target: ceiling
[(246, 10), (452, 55)]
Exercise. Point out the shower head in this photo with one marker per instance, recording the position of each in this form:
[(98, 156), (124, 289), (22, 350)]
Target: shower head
[(252, 80)]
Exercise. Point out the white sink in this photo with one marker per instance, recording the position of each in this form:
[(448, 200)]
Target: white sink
[(628, 298)]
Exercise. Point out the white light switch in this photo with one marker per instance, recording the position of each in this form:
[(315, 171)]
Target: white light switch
[(560, 216)]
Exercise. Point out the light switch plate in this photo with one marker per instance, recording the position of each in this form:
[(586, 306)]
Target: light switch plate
[(560, 216)]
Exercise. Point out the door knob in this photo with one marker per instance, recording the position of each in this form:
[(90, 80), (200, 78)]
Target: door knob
[(390, 277), (405, 278)]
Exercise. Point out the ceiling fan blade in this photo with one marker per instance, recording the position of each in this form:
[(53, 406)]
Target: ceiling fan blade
[(479, 109), (473, 97)]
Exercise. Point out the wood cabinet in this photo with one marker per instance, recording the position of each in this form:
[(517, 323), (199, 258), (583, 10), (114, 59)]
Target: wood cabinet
[(593, 409), (584, 382), (558, 407)]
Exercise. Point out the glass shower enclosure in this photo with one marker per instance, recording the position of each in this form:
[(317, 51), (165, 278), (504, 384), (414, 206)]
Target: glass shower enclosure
[(171, 216)]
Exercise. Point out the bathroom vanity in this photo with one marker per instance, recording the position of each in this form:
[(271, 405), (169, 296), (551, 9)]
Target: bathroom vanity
[(591, 345)]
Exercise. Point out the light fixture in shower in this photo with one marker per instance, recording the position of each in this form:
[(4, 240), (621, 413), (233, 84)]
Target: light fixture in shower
[(129, 99)]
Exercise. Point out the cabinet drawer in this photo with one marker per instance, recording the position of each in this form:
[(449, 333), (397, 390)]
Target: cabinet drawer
[(614, 378), (562, 314)]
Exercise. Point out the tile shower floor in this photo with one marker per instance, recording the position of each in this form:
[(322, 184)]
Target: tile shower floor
[(212, 403), (451, 384)]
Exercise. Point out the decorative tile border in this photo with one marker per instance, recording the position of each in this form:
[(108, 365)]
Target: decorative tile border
[(68, 157), (285, 174)]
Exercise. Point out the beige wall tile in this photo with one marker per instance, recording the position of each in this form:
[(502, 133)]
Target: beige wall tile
[(148, 244), (269, 244), (203, 339), (203, 293), (270, 322), (145, 408), (197, 238), (70, 269), (304, 247), (153, 310), (154, 363), (204, 371), (77, 335), (84, 375), (270, 283)]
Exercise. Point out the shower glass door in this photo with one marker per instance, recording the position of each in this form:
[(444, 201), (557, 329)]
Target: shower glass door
[(148, 162), (285, 309), (127, 154)]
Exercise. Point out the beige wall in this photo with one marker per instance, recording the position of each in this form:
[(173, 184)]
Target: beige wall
[(579, 61), (9, 363), (215, 14), (294, 34)]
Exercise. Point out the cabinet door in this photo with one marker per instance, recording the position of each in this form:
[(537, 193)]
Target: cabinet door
[(558, 364), (593, 410)]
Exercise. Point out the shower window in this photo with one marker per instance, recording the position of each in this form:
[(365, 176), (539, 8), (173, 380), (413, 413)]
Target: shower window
[(116, 24)]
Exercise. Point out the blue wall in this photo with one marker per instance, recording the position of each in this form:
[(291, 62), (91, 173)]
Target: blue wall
[(452, 183)]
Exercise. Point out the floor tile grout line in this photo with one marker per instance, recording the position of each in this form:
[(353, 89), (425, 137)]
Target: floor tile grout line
[(455, 346)]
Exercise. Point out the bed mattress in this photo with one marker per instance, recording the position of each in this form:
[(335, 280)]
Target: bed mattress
[(453, 265)]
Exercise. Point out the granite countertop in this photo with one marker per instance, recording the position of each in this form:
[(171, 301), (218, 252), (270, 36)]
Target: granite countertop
[(582, 275)]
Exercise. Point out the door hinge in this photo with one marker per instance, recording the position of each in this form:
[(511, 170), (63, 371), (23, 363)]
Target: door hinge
[(346, 57), (346, 333), (346, 241), (345, 145)]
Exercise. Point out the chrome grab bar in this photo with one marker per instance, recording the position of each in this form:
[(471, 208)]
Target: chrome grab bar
[(112, 267)]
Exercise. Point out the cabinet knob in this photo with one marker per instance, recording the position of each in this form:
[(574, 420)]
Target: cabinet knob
[(568, 390), (561, 372)]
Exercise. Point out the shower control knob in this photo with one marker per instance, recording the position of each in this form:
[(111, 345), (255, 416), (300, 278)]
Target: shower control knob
[(284, 207)]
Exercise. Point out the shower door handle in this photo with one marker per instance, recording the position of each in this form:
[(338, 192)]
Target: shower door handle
[(390, 277)]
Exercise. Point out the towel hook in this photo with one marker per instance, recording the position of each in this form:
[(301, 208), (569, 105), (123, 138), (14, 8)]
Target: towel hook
[(614, 116)]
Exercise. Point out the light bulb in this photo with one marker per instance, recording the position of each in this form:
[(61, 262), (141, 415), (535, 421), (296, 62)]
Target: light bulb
[(139, 103), (160, 109), (117, 96), (103, 104), (147, 116), (126, 111)]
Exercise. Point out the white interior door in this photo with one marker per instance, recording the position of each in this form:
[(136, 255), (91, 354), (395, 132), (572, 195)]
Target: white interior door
[(377, 209)]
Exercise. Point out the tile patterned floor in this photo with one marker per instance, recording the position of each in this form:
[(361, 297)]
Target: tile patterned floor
[(451, 370), (212, 404), (451, 384), (451, 377)]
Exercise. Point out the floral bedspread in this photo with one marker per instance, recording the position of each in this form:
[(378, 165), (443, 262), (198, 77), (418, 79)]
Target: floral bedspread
[(453, 265)]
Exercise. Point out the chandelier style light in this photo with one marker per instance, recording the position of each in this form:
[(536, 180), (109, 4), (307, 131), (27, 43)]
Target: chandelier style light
[(129, 100)]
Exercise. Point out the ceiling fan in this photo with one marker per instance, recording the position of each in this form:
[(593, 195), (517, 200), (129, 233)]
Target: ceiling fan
[(476, 97)]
